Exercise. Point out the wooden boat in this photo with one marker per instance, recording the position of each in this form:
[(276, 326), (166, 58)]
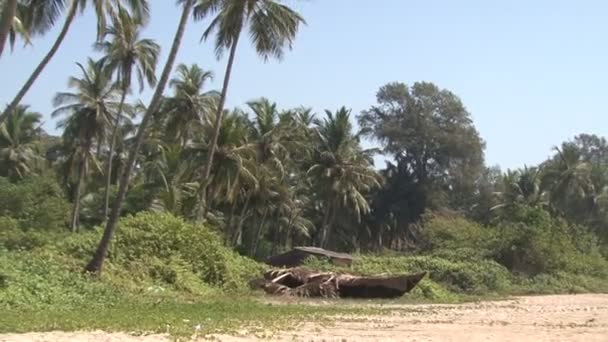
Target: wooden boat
[(378, 286), (304, 282)]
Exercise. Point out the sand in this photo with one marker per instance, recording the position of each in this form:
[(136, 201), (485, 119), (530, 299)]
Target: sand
[(542, 318)]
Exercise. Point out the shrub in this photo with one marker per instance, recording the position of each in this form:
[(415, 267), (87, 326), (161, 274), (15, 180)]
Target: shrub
[(36, 279), (161, 240), (532, 242), (37, 202), (13, 238), (456, 236)]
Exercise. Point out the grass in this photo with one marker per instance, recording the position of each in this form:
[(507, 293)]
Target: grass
[(176, 318)]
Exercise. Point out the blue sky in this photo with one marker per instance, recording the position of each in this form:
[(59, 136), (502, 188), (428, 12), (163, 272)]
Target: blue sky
[(532, 73)]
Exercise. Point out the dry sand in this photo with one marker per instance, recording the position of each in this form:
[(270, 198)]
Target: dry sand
[(544, 318)]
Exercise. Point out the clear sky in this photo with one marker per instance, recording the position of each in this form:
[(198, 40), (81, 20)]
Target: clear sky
[(532, 73)]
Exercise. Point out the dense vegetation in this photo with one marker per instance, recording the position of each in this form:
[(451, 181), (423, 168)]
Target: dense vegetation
[(182, 193)]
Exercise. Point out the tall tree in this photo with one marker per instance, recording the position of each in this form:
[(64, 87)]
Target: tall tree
[(96, 263), (436, 152), (272, 27), (567, 176), (342, 172), (125, 51), (89, 112), (190, 105), (102, 7)]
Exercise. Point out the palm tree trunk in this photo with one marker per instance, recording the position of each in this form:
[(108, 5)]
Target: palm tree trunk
[(96, 263), (330, 225), (239, 229), (324, 225), (76, 207), (258, 233), (111, 155), (45, 61), (6, 22), (229, 231), (202, 212), (99, 146)]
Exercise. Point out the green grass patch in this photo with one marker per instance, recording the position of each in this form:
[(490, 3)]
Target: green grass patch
[(177, 318)]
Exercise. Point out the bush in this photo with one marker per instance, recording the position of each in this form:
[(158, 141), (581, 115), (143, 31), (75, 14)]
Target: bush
[(560, 282), (162, 240), (13, 238), (37, 279), (152, 254), (36, 202), (532, 242), (456, 236)]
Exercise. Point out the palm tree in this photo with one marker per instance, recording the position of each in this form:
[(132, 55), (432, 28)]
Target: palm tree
[(89, 112), (568, 179), (96, 263), (190, 105), (268, 135), (567, 176), (102, 7), (341, 171), (29, 18), (272, 27), (522, 187), (8, 14), (123, 52), (18, 135), (169, 176)]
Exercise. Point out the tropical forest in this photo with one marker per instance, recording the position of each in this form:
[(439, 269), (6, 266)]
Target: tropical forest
[(158, 214)]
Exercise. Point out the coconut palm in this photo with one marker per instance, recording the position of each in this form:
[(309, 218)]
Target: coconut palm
[(267, 134), (11, 24), (102, 7), (29, 18), (87, 112), (341, 171), (190, 104), (18, 135), (96, 263), (272, 27), (169, 175), (8, 19), (232, 169), (567, 176), (125, 53), (522, 187)]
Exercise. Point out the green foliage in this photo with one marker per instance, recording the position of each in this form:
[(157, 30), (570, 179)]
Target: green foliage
[(14, 238), (163, 239), (474, 277), (36, 202), (153, 254), (530, 241), (455, 237), (38, 279), (560, 282)]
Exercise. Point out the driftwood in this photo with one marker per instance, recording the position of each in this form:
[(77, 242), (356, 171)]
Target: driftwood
[(303, 282)]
